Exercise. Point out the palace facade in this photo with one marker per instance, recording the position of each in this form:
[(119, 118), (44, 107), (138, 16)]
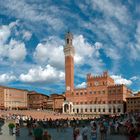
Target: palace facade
[(101, 95)]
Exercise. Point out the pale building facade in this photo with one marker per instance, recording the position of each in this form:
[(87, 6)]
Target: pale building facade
[(12, 98)]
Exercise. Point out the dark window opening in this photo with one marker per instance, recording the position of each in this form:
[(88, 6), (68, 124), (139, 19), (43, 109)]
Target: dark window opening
[(67, 41)]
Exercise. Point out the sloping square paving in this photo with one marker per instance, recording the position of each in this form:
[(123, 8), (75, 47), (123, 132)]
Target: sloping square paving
[(61, 135)]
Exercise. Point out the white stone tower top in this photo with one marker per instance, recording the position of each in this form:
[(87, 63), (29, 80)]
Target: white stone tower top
[(69, 49)]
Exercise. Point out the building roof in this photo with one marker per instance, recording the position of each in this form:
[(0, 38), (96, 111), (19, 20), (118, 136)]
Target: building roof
[(132, 97), (5, 87), (36, 93)]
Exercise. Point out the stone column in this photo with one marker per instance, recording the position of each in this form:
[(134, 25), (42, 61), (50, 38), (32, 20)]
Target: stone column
[(69, 108), (63, 108)]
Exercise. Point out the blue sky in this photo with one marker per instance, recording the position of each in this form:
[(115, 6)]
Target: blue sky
[(106, 37)]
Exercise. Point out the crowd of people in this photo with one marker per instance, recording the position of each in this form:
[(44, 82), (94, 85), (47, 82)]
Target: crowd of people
[(83, 129)]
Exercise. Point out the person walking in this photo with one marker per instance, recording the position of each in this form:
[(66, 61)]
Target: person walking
[(93, 133), (78, 135), (102, 131), (132, 132), (38, 132), (46, 136), (85, 132), (17, 130), (29, 126)]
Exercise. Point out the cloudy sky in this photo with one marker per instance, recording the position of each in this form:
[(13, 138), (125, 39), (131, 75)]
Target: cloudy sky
[(106, 37)]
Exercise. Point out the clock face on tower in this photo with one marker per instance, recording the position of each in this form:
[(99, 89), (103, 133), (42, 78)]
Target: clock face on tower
[(68, 88), (96, 83)]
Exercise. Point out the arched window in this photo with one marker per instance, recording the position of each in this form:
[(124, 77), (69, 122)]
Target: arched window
[(66, 107)]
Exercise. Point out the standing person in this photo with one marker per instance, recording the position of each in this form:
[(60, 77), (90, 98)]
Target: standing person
[(85, 132), (93, 133), (57, 125), (132, 133), (46, 136), (17, 120), (38, 132), (29, 126), (17, 130), (78, 135), (74, 133), (102, 131)]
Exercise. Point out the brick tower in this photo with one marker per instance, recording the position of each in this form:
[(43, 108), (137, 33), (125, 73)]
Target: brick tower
[(69, 62)]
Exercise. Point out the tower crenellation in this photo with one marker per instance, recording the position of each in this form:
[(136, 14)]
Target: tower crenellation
[(96, 77)]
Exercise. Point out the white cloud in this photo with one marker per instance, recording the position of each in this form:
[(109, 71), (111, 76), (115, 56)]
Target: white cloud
[(137, 36), (50, 52), (134, 78), (113, 31), (87, 54), (111, 34), (83, 49), (108, 28), (82, 46), (136, 92), (33, 12), (13, 24), (133, 51), (4, 34), (82, 85), (42, 75), (27, 35), (40, 54), (6, 78), (16, 50), (110, 9), (120, 80), (134, 48), (112, 53), (98, 45), (10, 48)]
